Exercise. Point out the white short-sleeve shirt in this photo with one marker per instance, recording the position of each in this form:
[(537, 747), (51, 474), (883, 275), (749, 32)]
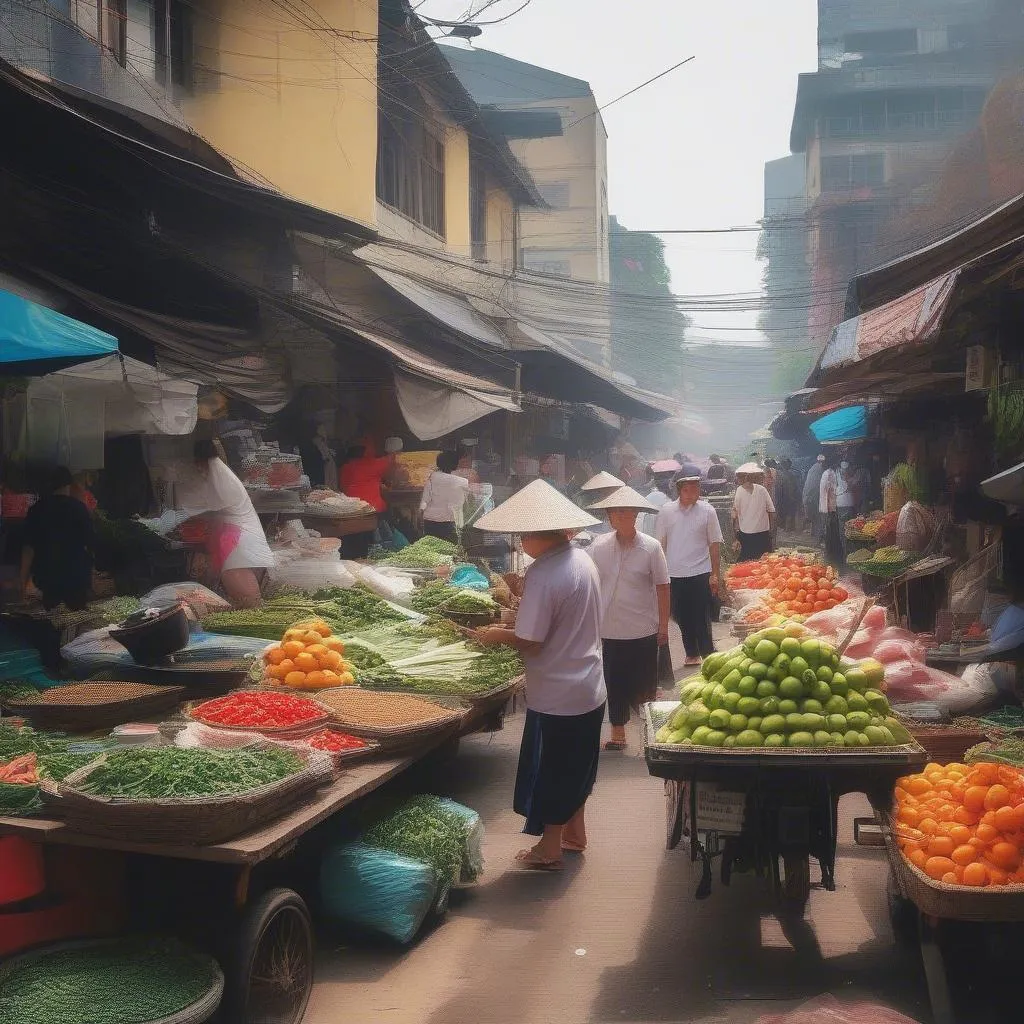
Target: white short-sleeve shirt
[(443, 494), (753, 508), (561, 608), (687, 536), (629, 575), (829, 483)]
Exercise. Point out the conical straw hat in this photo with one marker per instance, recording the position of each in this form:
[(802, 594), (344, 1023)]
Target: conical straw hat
[(750, 469), (602, 482), (624, 497), (536, 508)]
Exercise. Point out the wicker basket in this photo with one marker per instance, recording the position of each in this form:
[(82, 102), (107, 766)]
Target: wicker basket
[(951, 902), (945, 744), (397, 737), (289, 732), (200, 1011), (184, 822), (77, 718)]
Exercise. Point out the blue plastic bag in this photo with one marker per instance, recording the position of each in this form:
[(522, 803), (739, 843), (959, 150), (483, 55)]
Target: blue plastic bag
[(466, 577), (378, 890)]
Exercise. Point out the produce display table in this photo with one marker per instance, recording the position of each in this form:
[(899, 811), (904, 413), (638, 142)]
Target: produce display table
[(770, 804), (932, 903)]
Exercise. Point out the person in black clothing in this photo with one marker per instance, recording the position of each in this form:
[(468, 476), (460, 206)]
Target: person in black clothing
[(58, 546)]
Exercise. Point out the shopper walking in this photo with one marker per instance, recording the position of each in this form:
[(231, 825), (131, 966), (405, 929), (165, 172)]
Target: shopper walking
[(558, 633), (444, 495), (828, 508), (812, 498), (846, 501), (635, 600), (689, 532), (753, 514)]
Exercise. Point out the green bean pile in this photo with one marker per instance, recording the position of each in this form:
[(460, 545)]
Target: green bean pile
[(159, 773), (59, 766), (124, 982)]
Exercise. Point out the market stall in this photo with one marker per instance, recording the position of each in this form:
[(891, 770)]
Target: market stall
[(340, 694)]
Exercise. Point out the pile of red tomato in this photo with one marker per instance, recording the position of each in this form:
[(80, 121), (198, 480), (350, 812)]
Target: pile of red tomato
[(795, 585)]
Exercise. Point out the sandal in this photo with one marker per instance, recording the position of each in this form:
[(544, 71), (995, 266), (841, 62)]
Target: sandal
[(614, 745), (573, 848), (528, 861)]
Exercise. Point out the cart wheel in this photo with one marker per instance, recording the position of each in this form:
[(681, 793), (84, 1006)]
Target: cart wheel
[(796, 890), (902, 913), (273, 967)]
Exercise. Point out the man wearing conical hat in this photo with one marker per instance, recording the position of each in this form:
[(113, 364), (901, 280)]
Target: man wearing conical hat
[(558, 633), (635, 608)]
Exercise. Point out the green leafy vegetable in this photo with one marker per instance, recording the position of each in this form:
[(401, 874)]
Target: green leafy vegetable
[(425, 831)]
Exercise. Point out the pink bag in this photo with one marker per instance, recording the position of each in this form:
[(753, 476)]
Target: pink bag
[(899, 650), (221, 540)]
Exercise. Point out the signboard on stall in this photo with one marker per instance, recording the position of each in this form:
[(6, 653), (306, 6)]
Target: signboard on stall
[(979, 369)]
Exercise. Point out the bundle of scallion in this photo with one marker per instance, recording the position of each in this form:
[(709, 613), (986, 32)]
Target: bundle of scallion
[(452, 661)]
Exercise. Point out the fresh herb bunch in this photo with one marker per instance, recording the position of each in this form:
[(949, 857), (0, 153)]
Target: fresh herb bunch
[(423, 830), (472, 603), (427, 598), (158, 773)]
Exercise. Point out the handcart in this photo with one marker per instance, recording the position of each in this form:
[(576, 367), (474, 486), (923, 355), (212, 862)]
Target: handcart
[(755, 807)]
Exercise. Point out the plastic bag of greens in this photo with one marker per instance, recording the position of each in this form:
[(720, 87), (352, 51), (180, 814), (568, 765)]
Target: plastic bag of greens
[(473, 840), (378, 890)]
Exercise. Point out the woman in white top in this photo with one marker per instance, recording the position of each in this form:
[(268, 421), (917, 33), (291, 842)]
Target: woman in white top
[(236, 542), (443, 494), (845, 500), (828, 506), (634, 609), (753, 513)]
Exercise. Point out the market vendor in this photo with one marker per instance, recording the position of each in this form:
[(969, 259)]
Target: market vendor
[(443, 497), (364, 474), (236, 543), (558, 632), (635, 608), (57, 550)]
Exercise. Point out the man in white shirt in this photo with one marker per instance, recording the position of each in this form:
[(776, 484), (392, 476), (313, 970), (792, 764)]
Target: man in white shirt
[(753, 514), (812, 486), (443, 496), (689, 532), (845, 501), (635, 609)]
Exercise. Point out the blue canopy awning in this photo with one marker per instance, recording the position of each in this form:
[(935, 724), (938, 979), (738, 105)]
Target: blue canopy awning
[(35, 340), (849, 424)]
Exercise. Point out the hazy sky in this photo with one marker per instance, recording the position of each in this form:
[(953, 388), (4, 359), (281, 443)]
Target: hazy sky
[(689, 150)]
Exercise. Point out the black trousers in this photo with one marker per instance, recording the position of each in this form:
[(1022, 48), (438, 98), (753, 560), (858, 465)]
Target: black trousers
[(630, 674), (691, 608), (754, 545), (443, 531)]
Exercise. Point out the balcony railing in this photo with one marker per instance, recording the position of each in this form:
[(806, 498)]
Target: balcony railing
[(895, 124)]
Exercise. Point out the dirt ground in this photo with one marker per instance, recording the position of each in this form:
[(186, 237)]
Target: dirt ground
[(619, 936)]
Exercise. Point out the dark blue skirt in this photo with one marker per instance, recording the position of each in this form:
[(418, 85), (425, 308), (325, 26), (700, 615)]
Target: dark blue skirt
[(558, 762)]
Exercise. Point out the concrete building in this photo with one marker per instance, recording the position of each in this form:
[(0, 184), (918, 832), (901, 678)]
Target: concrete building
[(569, 163), (897, 86)]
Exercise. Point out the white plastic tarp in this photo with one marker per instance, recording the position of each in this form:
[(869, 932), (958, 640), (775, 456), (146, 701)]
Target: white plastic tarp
[(68, 414), (432, 410)]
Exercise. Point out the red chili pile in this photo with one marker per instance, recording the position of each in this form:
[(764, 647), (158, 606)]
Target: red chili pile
[(259, 709), (335, 742)]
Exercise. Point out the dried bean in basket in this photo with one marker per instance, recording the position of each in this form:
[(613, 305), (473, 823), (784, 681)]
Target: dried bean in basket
[(360, 707), (76, 694)]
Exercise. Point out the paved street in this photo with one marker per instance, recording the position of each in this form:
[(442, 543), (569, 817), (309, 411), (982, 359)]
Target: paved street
[(618, 936)]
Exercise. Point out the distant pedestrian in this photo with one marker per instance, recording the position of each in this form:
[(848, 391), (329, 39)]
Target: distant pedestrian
[(689, 531), (753, 513), (812, 499), (828, 508), (787, 519), (846, 502), (635, 600)]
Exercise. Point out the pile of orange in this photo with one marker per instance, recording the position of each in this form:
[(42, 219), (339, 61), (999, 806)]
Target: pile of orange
[(795, 585), (308, 657), (963, 824)]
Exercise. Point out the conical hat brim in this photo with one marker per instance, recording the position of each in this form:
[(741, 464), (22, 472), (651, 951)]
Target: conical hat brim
[(537, 508), (602, 482), (750, 469), (624, 498)]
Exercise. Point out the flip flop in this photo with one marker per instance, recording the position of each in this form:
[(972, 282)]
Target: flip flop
[(573, 848), (528, 862), (614, 745), (692, 662)]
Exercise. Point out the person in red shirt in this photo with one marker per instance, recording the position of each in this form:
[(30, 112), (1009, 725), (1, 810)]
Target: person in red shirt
[(364, 473)]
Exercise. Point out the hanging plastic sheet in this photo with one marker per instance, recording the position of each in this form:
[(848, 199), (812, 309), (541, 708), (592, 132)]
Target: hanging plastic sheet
[(432, 410), (850, 424)]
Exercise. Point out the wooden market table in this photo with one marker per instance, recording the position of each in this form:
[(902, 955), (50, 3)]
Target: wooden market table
[(261, 931)]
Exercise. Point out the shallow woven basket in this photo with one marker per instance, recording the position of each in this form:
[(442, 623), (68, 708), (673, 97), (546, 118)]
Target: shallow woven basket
[(399, 736), (288, 732), (952, 902), (199, 1012), (343, 758), (945, 744), (184, 822), (88, 717)]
